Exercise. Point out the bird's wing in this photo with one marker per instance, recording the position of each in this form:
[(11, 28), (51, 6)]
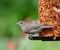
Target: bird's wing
[(35, 30)]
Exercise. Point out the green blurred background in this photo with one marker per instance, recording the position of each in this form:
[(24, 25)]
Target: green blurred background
[(12, 11)]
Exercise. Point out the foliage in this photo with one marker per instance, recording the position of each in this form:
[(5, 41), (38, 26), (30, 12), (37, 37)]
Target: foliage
[(11, 11)]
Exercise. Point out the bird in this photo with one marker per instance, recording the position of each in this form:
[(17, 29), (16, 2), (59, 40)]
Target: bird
[(32, 27)]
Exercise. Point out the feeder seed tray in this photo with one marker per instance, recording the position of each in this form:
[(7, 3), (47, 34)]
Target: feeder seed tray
[(44, 38)]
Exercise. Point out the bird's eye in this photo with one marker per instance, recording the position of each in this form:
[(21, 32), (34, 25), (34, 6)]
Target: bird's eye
[(21, 22)]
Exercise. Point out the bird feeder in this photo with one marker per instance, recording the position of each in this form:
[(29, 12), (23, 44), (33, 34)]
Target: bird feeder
[(49, 14)]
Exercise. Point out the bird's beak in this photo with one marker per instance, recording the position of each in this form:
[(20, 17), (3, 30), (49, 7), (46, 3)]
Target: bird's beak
[(17, 22)]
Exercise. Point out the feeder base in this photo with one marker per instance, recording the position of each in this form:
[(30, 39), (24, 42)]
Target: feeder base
[(44, 38)]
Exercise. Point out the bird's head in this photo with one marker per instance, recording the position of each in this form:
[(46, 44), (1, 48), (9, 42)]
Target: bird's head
[(20, 23)]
